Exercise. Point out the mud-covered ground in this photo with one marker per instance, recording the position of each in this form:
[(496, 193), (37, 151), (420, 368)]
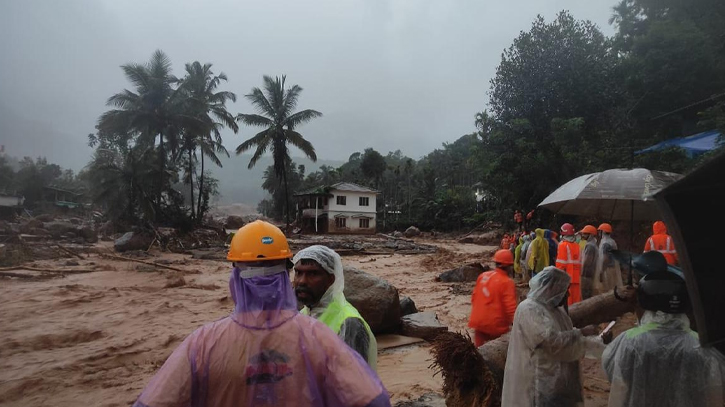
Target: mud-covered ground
[(96, 338)]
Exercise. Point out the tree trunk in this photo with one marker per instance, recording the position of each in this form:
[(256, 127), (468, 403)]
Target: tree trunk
[(201, 190), (473, 378), (162, 165), (286, 192), (191, 184)]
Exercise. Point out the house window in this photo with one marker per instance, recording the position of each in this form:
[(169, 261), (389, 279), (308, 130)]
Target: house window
[(340, 222), (364, 222), (364, 201), (341, 200)]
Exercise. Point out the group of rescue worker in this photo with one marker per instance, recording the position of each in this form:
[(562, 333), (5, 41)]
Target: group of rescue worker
[(657, 363), (267, 353)]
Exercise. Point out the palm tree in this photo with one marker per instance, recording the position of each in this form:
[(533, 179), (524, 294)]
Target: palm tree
[(275, 107), (209, 107), (153, 109)]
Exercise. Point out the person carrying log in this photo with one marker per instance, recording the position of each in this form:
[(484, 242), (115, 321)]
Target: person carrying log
[(265, 352), (542, 362), (493, 302), (660, 362), (319, 283), (568, 258)]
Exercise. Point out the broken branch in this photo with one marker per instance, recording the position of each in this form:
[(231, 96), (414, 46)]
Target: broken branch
[(149, 263)]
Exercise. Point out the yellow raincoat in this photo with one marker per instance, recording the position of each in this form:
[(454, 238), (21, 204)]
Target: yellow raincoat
[(539, 252)]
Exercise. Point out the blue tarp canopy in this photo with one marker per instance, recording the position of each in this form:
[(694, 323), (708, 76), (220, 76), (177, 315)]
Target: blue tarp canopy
[(693, 145)]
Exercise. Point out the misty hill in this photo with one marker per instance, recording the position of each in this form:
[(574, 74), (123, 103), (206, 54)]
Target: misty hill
[(237, 184)]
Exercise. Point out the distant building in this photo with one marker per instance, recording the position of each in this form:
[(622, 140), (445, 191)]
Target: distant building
[(340, 208)]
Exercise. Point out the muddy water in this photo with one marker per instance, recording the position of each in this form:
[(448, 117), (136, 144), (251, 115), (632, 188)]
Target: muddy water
[(96, 339)]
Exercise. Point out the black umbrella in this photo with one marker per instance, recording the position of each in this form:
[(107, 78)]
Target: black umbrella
[(693, 209)]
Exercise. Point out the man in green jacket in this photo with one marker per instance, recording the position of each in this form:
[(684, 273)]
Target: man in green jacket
[(319, 283)]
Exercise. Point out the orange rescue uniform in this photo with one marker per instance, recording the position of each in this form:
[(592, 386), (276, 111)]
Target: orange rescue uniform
[(493, 305), (568, 258), (662, 242)]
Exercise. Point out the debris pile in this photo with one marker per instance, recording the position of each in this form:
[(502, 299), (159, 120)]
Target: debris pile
[(362, 244)]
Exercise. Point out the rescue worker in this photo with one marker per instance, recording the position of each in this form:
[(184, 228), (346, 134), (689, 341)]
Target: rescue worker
[(542, 364), (660, 362), (525, 272), (319, 283), (265, 352), (608, 274), (568, 258), (589, 255), (517, 257), (493, 302), (538, 252), (662, 242), (551, 238)]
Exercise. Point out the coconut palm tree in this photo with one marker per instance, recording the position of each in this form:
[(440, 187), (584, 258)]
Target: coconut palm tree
[(208, 105), (275, 106), (154, 109)]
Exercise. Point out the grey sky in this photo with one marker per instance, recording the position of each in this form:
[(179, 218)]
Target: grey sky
[(399, 74)]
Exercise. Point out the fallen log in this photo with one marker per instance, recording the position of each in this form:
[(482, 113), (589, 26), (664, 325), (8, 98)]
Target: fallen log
[(71, 252), (474, 377), (150, 263)]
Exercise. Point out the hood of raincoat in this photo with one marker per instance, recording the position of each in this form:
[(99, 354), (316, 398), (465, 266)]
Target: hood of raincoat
[(539, 249), (331, 262), (659, 228), (263, 296), (549, 286)]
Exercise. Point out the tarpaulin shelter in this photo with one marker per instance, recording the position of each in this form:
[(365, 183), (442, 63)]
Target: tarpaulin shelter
[(693, 210), (693, 145)]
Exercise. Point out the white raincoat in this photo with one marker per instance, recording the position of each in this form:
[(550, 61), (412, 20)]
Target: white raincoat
[(660, 363), (542, 365), (608, 274)]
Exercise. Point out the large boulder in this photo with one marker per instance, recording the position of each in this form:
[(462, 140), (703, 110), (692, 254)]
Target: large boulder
[(424, 325), (468, 272), (377, 301), (88, 234), (61, 229), (407, 306), (234, 222), (133, 241), (492, 238), (412, 232), (31, 224)]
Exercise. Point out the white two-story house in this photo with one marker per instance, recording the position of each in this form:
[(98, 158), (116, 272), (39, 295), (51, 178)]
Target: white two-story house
[(340, 208)]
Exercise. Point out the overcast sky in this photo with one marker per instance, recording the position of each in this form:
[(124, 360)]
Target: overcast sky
[(398, 74)]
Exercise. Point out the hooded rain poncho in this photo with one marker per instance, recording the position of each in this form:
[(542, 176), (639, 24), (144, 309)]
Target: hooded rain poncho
[(590, 254), (542, 364), (661, 363), (334, 310), (517, 255), (264, 354), (608, 274), (538, 252)]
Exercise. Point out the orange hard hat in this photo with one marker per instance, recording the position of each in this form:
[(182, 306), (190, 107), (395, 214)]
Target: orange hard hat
[(589, 229), (504, 257), (605, 227), (258, 241), (567, 229)]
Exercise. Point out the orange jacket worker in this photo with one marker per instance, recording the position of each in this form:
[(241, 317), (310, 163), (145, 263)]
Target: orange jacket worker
[(568, 258), (661, 242), (493, 303)]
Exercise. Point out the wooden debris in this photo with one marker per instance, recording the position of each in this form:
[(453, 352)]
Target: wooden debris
[(150, 263)]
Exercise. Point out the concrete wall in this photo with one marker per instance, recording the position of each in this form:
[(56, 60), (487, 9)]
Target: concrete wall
[(352, 225), (353, 202)]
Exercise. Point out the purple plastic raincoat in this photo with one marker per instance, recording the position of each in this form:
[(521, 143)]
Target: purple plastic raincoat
[(264, 354)]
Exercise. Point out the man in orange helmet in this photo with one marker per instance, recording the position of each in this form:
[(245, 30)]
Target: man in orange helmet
[(662, 242), (265, 352), (608, 274), (493, 303), (568, 258), (590, 254)]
